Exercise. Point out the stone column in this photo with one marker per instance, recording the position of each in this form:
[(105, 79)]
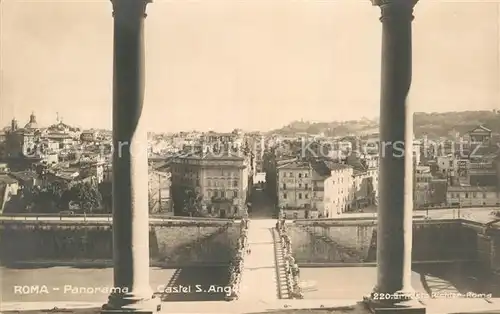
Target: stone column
[(130, 165), (395, 208)]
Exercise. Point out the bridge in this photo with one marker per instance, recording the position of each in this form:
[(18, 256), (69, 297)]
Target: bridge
[(197, 251), (479, 214)]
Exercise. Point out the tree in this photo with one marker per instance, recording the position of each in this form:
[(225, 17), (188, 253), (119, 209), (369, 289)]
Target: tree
[(192, 203), (40, 200), (106, 190), (87, 196)]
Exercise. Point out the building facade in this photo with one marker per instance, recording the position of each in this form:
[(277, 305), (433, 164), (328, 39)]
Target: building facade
[(216, 184), (314, 188), (472, 196)]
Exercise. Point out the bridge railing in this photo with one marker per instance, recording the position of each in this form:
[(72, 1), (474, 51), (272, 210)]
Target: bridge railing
[(98, 217)]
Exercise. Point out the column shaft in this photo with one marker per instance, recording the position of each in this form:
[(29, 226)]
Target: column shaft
[(130, 164), (396, 139)]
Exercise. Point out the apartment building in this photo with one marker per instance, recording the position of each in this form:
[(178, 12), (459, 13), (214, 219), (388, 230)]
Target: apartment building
[(472, 196), (422, 188), (314, 188), (216, 183)]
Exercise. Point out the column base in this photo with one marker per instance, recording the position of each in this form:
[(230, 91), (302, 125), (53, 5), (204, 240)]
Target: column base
[(407, 306), (131, 303)]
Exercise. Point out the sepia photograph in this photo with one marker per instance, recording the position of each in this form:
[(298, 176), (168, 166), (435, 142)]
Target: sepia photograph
[(250, 156)]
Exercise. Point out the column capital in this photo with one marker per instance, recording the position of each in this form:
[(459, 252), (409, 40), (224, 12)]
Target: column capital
[(130, 6), (401, 10), (401, 3)]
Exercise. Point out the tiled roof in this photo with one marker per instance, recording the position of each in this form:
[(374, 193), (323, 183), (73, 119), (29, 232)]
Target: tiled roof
[(358, 172), (334, 166), (224, 156), (294, 165), (482, 127), (24, 175)]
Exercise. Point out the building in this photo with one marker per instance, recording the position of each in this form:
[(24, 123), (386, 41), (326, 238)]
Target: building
[(21, 142), (296, 189), (363, 189), (439, 188), (365, 176), (482, 173), (314, 188), (338, 191), (480, 135), (26, 179), (472, 196), (270, 166), (216, 182), (160, 182), (62, 135), (422, 196), (472, 171), (89, 136)]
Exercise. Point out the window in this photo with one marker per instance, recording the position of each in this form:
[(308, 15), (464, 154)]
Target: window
[(235, 209), (216, 193), (284, 196), (466, 195), (306, 175), (306, 186), (291, 174), (300, 185), (300, 175), (474, 194), (300, 196), (235, 193), (222, 194), (284, 186), (235, 183), (307, 196)]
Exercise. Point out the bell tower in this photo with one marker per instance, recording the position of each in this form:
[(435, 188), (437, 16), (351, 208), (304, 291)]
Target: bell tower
[(13, 124), (32, 118)]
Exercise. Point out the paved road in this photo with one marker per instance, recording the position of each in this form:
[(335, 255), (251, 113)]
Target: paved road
[(258, 281), (262, 206), (262, 209)]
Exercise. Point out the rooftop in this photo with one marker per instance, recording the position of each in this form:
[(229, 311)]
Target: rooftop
[(24, 175), (7, 179)]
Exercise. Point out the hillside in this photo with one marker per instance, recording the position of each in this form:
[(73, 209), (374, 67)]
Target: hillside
[(434, 124)]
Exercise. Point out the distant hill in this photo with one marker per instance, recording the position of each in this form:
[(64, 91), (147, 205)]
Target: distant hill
[(433, 124)]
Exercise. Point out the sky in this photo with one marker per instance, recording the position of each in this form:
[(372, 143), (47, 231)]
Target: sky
[(250, 64)]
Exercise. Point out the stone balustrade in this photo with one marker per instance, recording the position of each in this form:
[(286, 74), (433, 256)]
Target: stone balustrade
[(291, 267), (237, 264)]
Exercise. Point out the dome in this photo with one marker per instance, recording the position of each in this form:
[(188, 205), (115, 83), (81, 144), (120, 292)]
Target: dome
[(32, 124)]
